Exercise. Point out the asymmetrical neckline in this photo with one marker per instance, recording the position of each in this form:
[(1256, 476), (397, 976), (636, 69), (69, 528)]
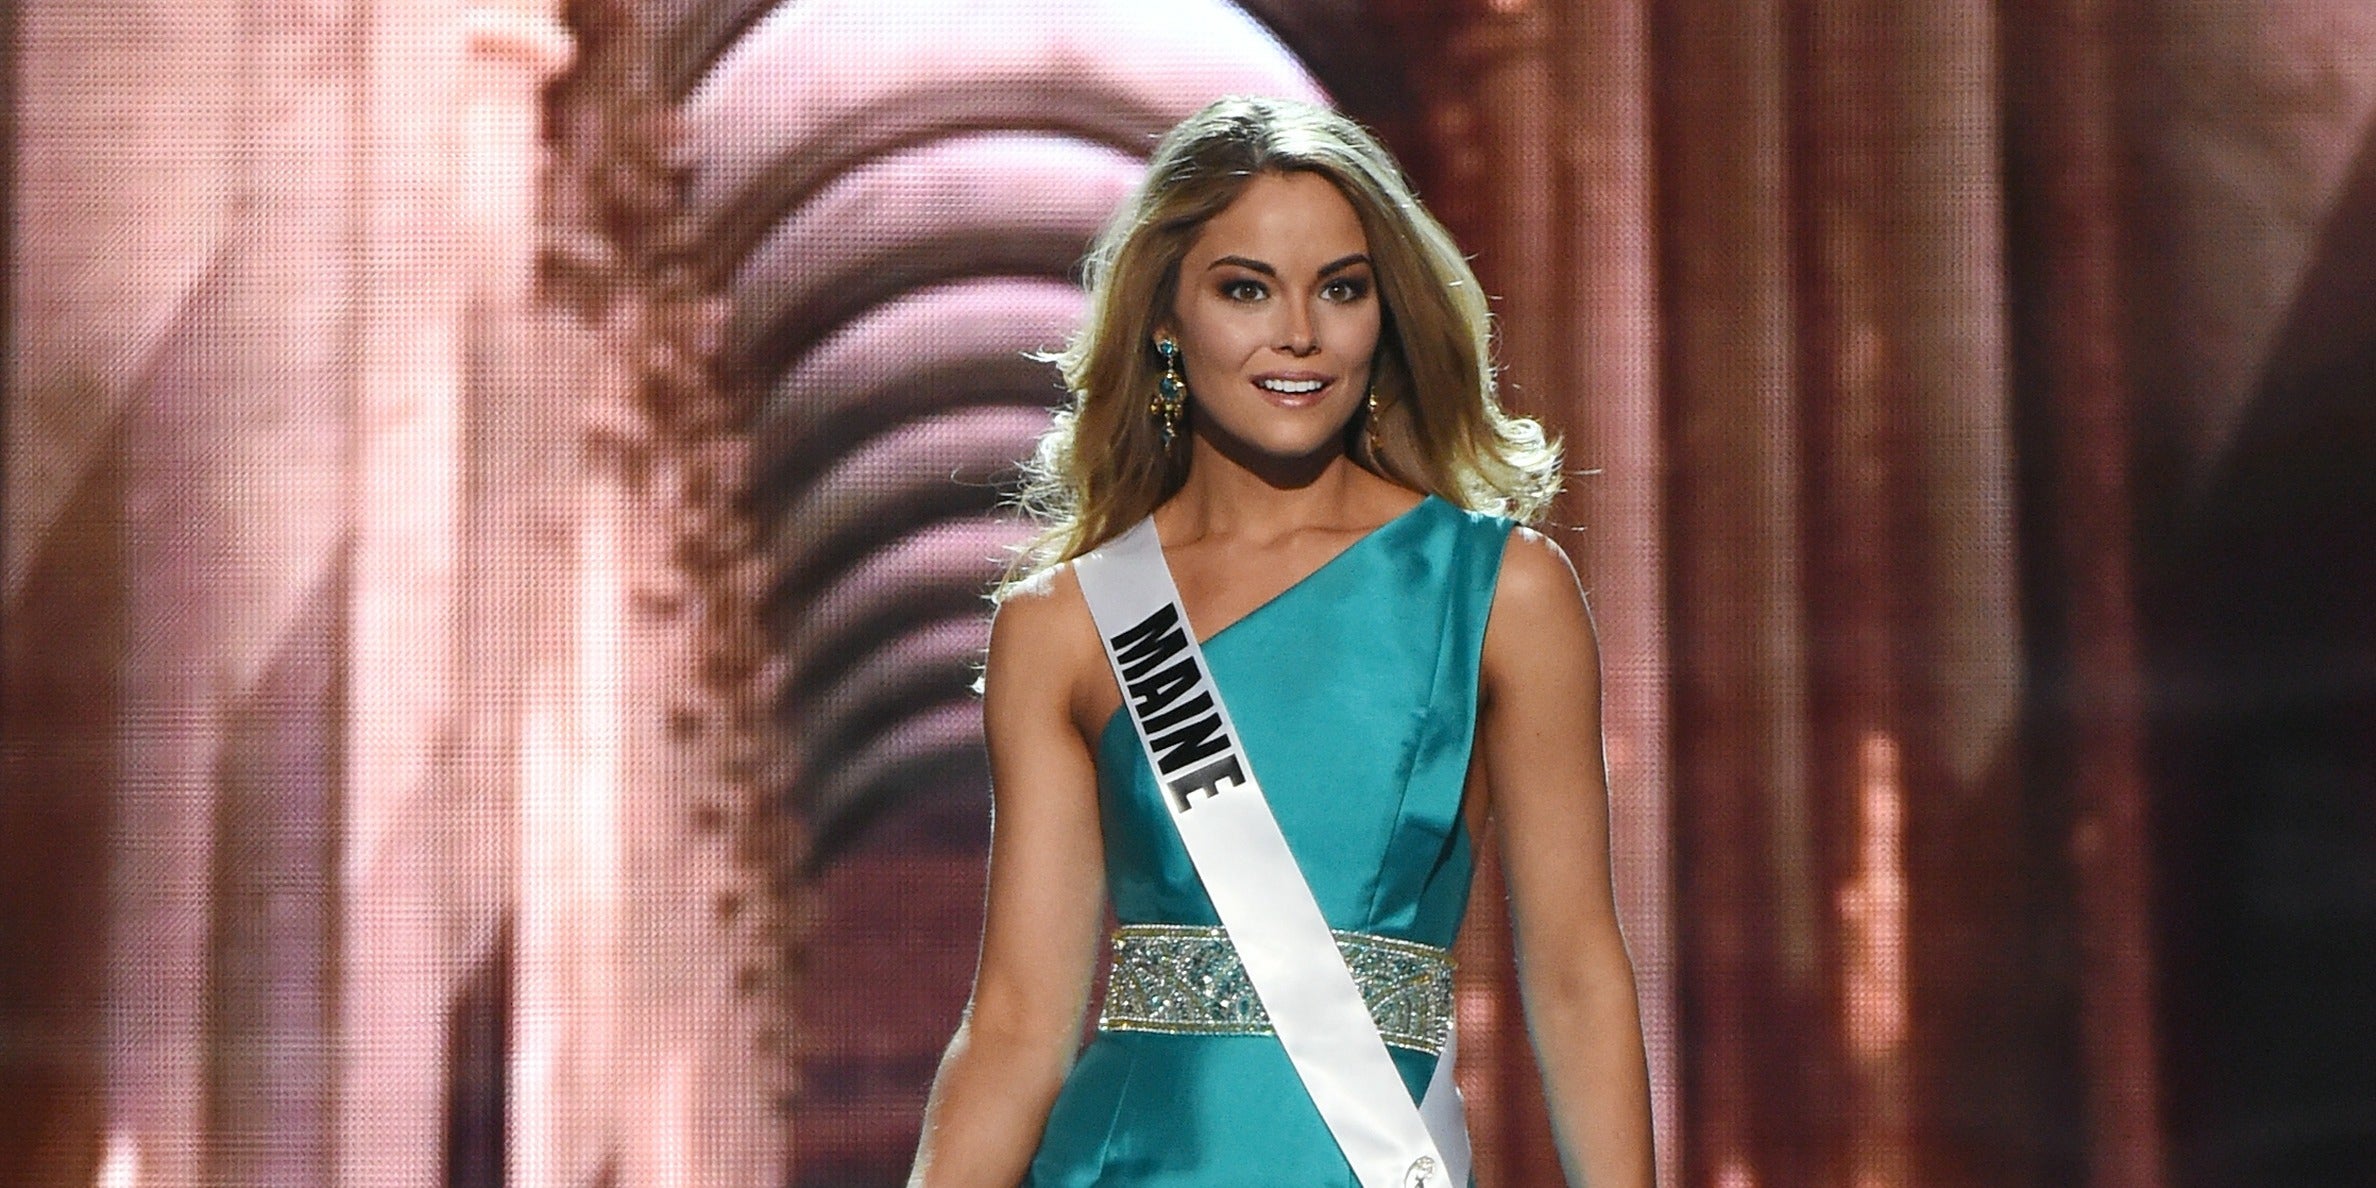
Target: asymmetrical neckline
[(1120, 714), (1357, 543)]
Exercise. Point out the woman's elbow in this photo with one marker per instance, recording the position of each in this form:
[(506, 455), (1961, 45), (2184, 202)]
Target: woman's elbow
[(1588, 990), (1021, 1034)]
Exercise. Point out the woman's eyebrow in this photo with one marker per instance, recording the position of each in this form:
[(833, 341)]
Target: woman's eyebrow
[(1252, 265), (1243, 262)]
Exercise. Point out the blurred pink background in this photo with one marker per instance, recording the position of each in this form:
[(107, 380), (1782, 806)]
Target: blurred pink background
[(497, 498)]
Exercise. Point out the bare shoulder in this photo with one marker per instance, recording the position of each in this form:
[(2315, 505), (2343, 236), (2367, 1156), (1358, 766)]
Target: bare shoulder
[(1042, 619), (1043, 645), (1537, 580), (1539, 614)]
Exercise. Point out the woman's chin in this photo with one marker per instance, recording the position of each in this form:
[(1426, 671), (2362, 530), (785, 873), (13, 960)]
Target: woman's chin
[(1281, 446), (1285, 437)]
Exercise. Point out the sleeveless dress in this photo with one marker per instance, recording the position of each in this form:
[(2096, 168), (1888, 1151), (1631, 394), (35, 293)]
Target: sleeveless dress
[(1355, 694)]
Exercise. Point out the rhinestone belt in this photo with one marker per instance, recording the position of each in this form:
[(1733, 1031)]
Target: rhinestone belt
[(1185, 979)]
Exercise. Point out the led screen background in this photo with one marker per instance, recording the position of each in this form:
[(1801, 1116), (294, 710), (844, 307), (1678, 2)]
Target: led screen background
[(498, 498)]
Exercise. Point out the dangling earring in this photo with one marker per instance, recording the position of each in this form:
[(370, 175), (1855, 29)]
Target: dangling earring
[(1171, 395), (1370, 428)]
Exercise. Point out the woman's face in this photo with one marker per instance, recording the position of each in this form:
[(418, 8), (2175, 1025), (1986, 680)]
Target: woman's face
[(1277, 317)]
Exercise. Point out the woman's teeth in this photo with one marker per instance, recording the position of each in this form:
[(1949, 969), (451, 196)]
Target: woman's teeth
[(1290, 387)]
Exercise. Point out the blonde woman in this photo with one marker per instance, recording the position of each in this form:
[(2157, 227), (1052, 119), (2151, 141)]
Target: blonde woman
[(1285, 364)]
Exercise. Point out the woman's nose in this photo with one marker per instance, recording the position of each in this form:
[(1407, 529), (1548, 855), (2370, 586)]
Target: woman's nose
[(1295, 335)]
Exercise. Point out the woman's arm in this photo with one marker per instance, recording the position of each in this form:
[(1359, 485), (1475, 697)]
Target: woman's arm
[(1046, 903), (1540, 741)]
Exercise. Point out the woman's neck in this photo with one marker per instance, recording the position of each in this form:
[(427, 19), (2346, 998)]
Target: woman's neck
[(1222, 498)]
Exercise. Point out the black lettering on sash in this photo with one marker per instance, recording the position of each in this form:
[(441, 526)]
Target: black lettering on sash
[(1199, 738), (1154, 693), (1201, 703), (1203, 782), (1139, 650), (1157, 672)]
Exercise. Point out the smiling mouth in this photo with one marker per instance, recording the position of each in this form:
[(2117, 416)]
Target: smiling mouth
[(1295, 387)]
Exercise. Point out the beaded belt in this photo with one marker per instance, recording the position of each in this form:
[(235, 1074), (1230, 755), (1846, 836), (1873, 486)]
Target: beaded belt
[(1186, 979)]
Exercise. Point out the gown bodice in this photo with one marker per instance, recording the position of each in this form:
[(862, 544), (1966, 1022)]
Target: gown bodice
[(1354, 692)]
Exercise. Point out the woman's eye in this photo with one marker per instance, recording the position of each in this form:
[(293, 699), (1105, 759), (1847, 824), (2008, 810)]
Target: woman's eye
[(1346, 289), (1243, 290)]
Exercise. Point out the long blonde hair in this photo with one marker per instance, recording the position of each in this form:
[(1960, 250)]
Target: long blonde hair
[(1103, 464)]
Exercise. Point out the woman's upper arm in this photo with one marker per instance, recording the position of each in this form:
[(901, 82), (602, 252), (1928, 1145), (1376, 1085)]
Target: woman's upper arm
[(1547, 785), (1045, 906)]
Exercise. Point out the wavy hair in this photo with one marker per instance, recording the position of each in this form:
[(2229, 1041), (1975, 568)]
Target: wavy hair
[(1103, 465)]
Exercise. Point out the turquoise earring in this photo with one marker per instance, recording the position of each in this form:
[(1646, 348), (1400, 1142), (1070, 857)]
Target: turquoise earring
[(1171, 393)]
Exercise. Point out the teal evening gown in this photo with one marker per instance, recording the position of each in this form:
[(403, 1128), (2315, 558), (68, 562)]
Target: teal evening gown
[(1355, 693)]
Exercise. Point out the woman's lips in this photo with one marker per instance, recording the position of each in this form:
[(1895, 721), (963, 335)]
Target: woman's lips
[(1293, 391)]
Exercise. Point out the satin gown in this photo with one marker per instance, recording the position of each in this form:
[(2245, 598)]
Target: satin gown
[(1355, 693)]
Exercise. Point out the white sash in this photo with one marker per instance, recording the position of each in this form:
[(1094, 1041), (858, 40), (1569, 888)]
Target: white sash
[(1260, 895)]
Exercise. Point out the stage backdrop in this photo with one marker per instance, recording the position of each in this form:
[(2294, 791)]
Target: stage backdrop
[(496, 499)]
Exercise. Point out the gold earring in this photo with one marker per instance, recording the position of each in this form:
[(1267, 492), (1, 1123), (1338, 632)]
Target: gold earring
[(1370, 428), (1171, 393)]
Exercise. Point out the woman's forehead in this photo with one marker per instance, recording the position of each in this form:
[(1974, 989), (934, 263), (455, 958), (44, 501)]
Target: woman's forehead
[(1283, 219)]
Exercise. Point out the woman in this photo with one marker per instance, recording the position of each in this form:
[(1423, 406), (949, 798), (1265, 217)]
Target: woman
[(1285, 364)]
